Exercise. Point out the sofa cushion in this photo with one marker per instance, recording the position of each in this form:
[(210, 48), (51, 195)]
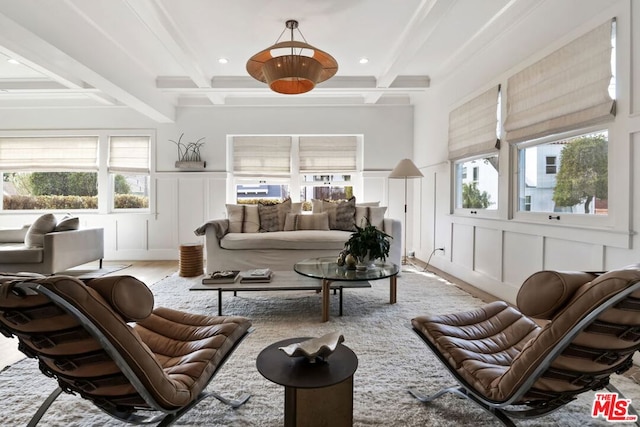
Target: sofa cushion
[(41, 226), (307, 222), (375, 215), (68, 223), (19, 253), (294, 240), (272, 217), (243, 218)]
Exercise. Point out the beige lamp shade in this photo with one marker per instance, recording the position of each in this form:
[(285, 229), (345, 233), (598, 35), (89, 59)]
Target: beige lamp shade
[(405, 169)]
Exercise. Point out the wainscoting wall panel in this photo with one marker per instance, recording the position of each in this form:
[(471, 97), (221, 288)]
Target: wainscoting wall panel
[(522, 256), (487, 252), (462, 244), (583, 256)]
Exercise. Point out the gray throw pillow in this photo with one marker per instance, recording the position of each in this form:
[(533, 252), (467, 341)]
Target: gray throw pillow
[(68, 223), (342, 215), (41, 226), (272, 217)]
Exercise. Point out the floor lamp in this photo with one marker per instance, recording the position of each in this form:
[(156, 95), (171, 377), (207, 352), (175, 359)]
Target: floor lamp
[(405, 170)]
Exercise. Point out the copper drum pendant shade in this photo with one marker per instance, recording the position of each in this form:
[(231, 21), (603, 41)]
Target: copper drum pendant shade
[(293, 73)]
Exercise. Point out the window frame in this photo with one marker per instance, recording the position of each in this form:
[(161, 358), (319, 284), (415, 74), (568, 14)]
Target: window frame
[(483, 212), (295, 180), (565, 218), (105, 181)]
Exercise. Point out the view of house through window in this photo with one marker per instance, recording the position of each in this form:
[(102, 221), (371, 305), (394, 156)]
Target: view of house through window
[(567, 175), (478, 183)]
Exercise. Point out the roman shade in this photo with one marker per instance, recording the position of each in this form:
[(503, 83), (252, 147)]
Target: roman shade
[(328, 153), (568, 89), (262, 154), (49, 154), (472, 126), (129, 154)]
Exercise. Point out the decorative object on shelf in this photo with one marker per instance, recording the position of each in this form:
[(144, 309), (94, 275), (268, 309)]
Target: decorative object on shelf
[(189, 154), (297, 69), (367, 244), (405, 169), (315, 349)]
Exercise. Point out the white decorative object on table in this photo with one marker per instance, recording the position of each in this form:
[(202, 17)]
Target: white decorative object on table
[(315, 348)]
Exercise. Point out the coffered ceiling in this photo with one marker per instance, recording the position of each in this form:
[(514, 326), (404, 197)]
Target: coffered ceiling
[(156, 55)]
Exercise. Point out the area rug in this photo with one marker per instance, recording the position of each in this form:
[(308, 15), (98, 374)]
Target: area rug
[(391, 359)]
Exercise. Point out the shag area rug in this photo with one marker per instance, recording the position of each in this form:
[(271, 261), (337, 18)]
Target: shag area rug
[(391, 360), (84, 273)]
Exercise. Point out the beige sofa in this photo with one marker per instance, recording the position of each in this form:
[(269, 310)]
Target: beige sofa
[(61, 250), (280, 250)]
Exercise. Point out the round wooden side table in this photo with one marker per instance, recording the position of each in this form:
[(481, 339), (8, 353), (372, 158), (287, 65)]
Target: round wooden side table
[(315, 394), (190, 261)]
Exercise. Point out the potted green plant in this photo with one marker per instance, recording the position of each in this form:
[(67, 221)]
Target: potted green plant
[(367, 244)]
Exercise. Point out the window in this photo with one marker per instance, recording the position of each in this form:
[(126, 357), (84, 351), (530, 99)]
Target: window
[(581, 184), (129, 170), (41, 173), (481, 192), (73, 170), (473, 146), (550, 165), (559, 108), (268, 168)]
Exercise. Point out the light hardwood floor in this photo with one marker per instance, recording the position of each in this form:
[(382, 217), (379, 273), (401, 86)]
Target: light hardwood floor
[(148, 272)]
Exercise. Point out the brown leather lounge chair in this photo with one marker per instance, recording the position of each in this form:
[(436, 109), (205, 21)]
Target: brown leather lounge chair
[(151, 371), (589, 328)]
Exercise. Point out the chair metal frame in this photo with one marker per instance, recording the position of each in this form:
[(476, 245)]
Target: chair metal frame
[(166, 417), (498, 408)]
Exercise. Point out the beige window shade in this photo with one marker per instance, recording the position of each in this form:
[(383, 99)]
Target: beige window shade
[(328, 153), (49, 154), (263, 155), (129, 154), (566, 90), (472, 126)]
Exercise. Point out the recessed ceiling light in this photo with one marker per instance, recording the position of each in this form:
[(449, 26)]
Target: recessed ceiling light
[(223, 60), (13, 61), (364, 60)]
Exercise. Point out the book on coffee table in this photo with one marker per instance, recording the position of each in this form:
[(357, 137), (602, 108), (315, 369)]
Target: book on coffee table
[(259, 275), (218, 277)]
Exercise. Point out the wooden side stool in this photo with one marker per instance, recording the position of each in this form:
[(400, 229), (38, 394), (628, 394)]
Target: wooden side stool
[(190, 260)]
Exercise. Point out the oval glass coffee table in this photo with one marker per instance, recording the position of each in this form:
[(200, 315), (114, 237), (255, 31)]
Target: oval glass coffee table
[(328, 270)]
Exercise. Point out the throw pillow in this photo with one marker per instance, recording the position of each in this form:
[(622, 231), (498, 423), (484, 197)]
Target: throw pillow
[(272, 217), (290, 222), (243, 218), (68, 223), (341, 214), (375, 215), (41, 226), (368, 204), (313, 222)]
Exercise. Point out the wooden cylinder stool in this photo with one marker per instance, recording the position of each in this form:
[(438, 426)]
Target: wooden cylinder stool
[(190, 261)]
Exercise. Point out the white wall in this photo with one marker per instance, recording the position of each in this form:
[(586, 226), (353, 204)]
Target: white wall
[(497, 254), (184, 200)]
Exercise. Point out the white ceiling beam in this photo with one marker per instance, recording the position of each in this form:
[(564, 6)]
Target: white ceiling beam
[(115, 81), (156, 18)]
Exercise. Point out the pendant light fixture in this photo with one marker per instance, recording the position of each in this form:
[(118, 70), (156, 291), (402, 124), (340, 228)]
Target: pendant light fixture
[(292, 67)]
